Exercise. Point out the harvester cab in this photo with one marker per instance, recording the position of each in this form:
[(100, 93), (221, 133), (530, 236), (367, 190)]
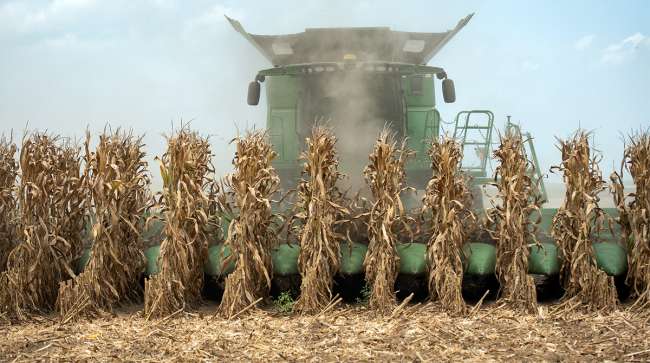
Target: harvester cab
[(359, 80)]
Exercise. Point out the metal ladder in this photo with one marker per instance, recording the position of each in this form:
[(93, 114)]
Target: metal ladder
[(465, 122)]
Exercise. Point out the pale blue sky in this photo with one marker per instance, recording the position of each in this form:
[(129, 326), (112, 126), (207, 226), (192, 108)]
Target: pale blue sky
[(66, 64)]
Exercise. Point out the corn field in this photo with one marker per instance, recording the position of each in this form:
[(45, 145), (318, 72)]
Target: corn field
[(54, 190)]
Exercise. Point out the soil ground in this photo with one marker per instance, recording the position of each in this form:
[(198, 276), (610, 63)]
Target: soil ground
[(415, 332)]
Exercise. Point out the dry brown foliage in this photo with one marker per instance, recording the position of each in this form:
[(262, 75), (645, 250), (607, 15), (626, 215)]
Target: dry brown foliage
[(515, 229), (51, 220), (117, 185), (250, 236), (319, 210), (185, 169), (354, 223), (634, 214), (448, 200), (576, 223), (386, 177), (8, 203)]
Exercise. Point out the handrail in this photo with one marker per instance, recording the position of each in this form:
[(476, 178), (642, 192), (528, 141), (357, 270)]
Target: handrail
[(487, 142)]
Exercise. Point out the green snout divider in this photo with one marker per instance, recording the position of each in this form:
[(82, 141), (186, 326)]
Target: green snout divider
[(481, 258), (285, 259), (215, 261), (82, 261), (352, 256), (152, 254), (611, 258), (412, 258), (544, 260)]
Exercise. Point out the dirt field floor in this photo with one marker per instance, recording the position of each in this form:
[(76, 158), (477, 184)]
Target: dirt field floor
[(416, 332)]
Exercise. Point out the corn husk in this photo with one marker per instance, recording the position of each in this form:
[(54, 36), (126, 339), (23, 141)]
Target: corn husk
[(117, 183), (515, 228), (634, 215), (8, 202), (319, 209), (386, 177), (184, 203), (448, 201), (51, 221), (576, 224), (250, 236)]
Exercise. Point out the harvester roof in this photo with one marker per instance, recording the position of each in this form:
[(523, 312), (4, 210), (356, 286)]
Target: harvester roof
[(381, 44)]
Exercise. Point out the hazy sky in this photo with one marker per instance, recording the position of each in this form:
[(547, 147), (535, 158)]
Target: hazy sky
[(553, 66)]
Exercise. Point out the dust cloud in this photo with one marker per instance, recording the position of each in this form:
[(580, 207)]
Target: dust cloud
[(357, 106)]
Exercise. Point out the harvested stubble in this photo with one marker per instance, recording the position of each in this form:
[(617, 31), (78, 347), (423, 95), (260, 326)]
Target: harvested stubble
[(346, 333), (319, 211), (116, 180), (386, 177), (250, 236), (515, 229), (52, 215), (448, 201), (635, 215), (185, 168), (8, 203), (576, 224)]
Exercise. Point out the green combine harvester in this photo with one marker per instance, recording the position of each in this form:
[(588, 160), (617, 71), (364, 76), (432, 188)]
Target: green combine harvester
[(358, 80)]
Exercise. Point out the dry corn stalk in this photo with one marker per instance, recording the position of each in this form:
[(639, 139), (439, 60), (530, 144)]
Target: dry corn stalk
[(576, 223), (51, 220), (250, 237), (117, 183), (448, 200), (515, 230), (185, 168), (319, 210), (386, 177), (8, 174), (354, 223), (635, 215)]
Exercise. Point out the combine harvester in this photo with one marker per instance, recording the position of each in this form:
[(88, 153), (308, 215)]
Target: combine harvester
[(357, 79)]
